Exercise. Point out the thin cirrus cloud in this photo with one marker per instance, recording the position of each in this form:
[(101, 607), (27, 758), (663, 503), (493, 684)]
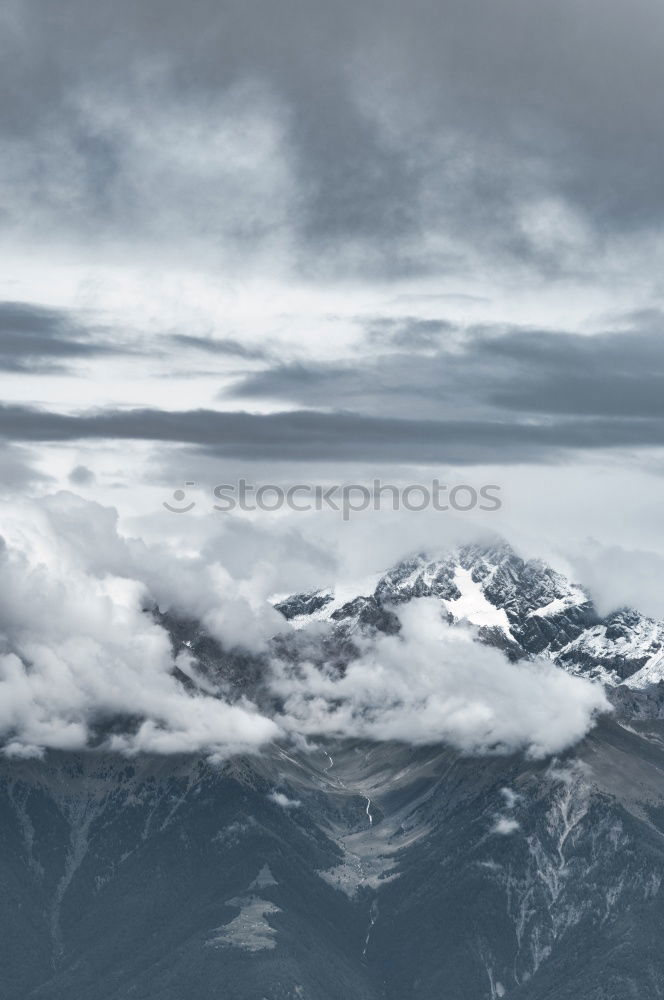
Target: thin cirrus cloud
[(225, 346), (36, 338)]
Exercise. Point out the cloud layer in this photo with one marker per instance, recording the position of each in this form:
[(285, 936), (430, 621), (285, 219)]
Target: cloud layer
[(82, 661), (369, 136), (496, 394), (309, 435)]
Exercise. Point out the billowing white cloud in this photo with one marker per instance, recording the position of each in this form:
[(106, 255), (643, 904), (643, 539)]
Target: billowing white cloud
[(78, 650), (433, 683), (504, 826), (186, 582), (283, 801)]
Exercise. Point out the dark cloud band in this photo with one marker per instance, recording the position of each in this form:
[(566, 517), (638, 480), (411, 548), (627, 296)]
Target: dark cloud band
[(34, 338), (488, 371), (307, 435)]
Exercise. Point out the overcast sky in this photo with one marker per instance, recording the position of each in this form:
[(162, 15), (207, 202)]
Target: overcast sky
[(330, 241)]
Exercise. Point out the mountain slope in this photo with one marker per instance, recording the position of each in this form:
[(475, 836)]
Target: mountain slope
[(375, 871)]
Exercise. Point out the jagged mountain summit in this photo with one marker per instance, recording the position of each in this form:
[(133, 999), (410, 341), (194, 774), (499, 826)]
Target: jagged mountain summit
[(522, 606)]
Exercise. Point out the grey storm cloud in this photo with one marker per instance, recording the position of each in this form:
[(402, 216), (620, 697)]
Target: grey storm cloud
[(436, 393), (489, 371), (35, 338), (398, 120), (304, 435)]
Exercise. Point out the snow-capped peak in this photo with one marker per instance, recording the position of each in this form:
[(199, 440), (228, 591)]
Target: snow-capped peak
[(523, 605)]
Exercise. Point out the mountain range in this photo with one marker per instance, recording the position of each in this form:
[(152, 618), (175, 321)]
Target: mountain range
[(354, 869)]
